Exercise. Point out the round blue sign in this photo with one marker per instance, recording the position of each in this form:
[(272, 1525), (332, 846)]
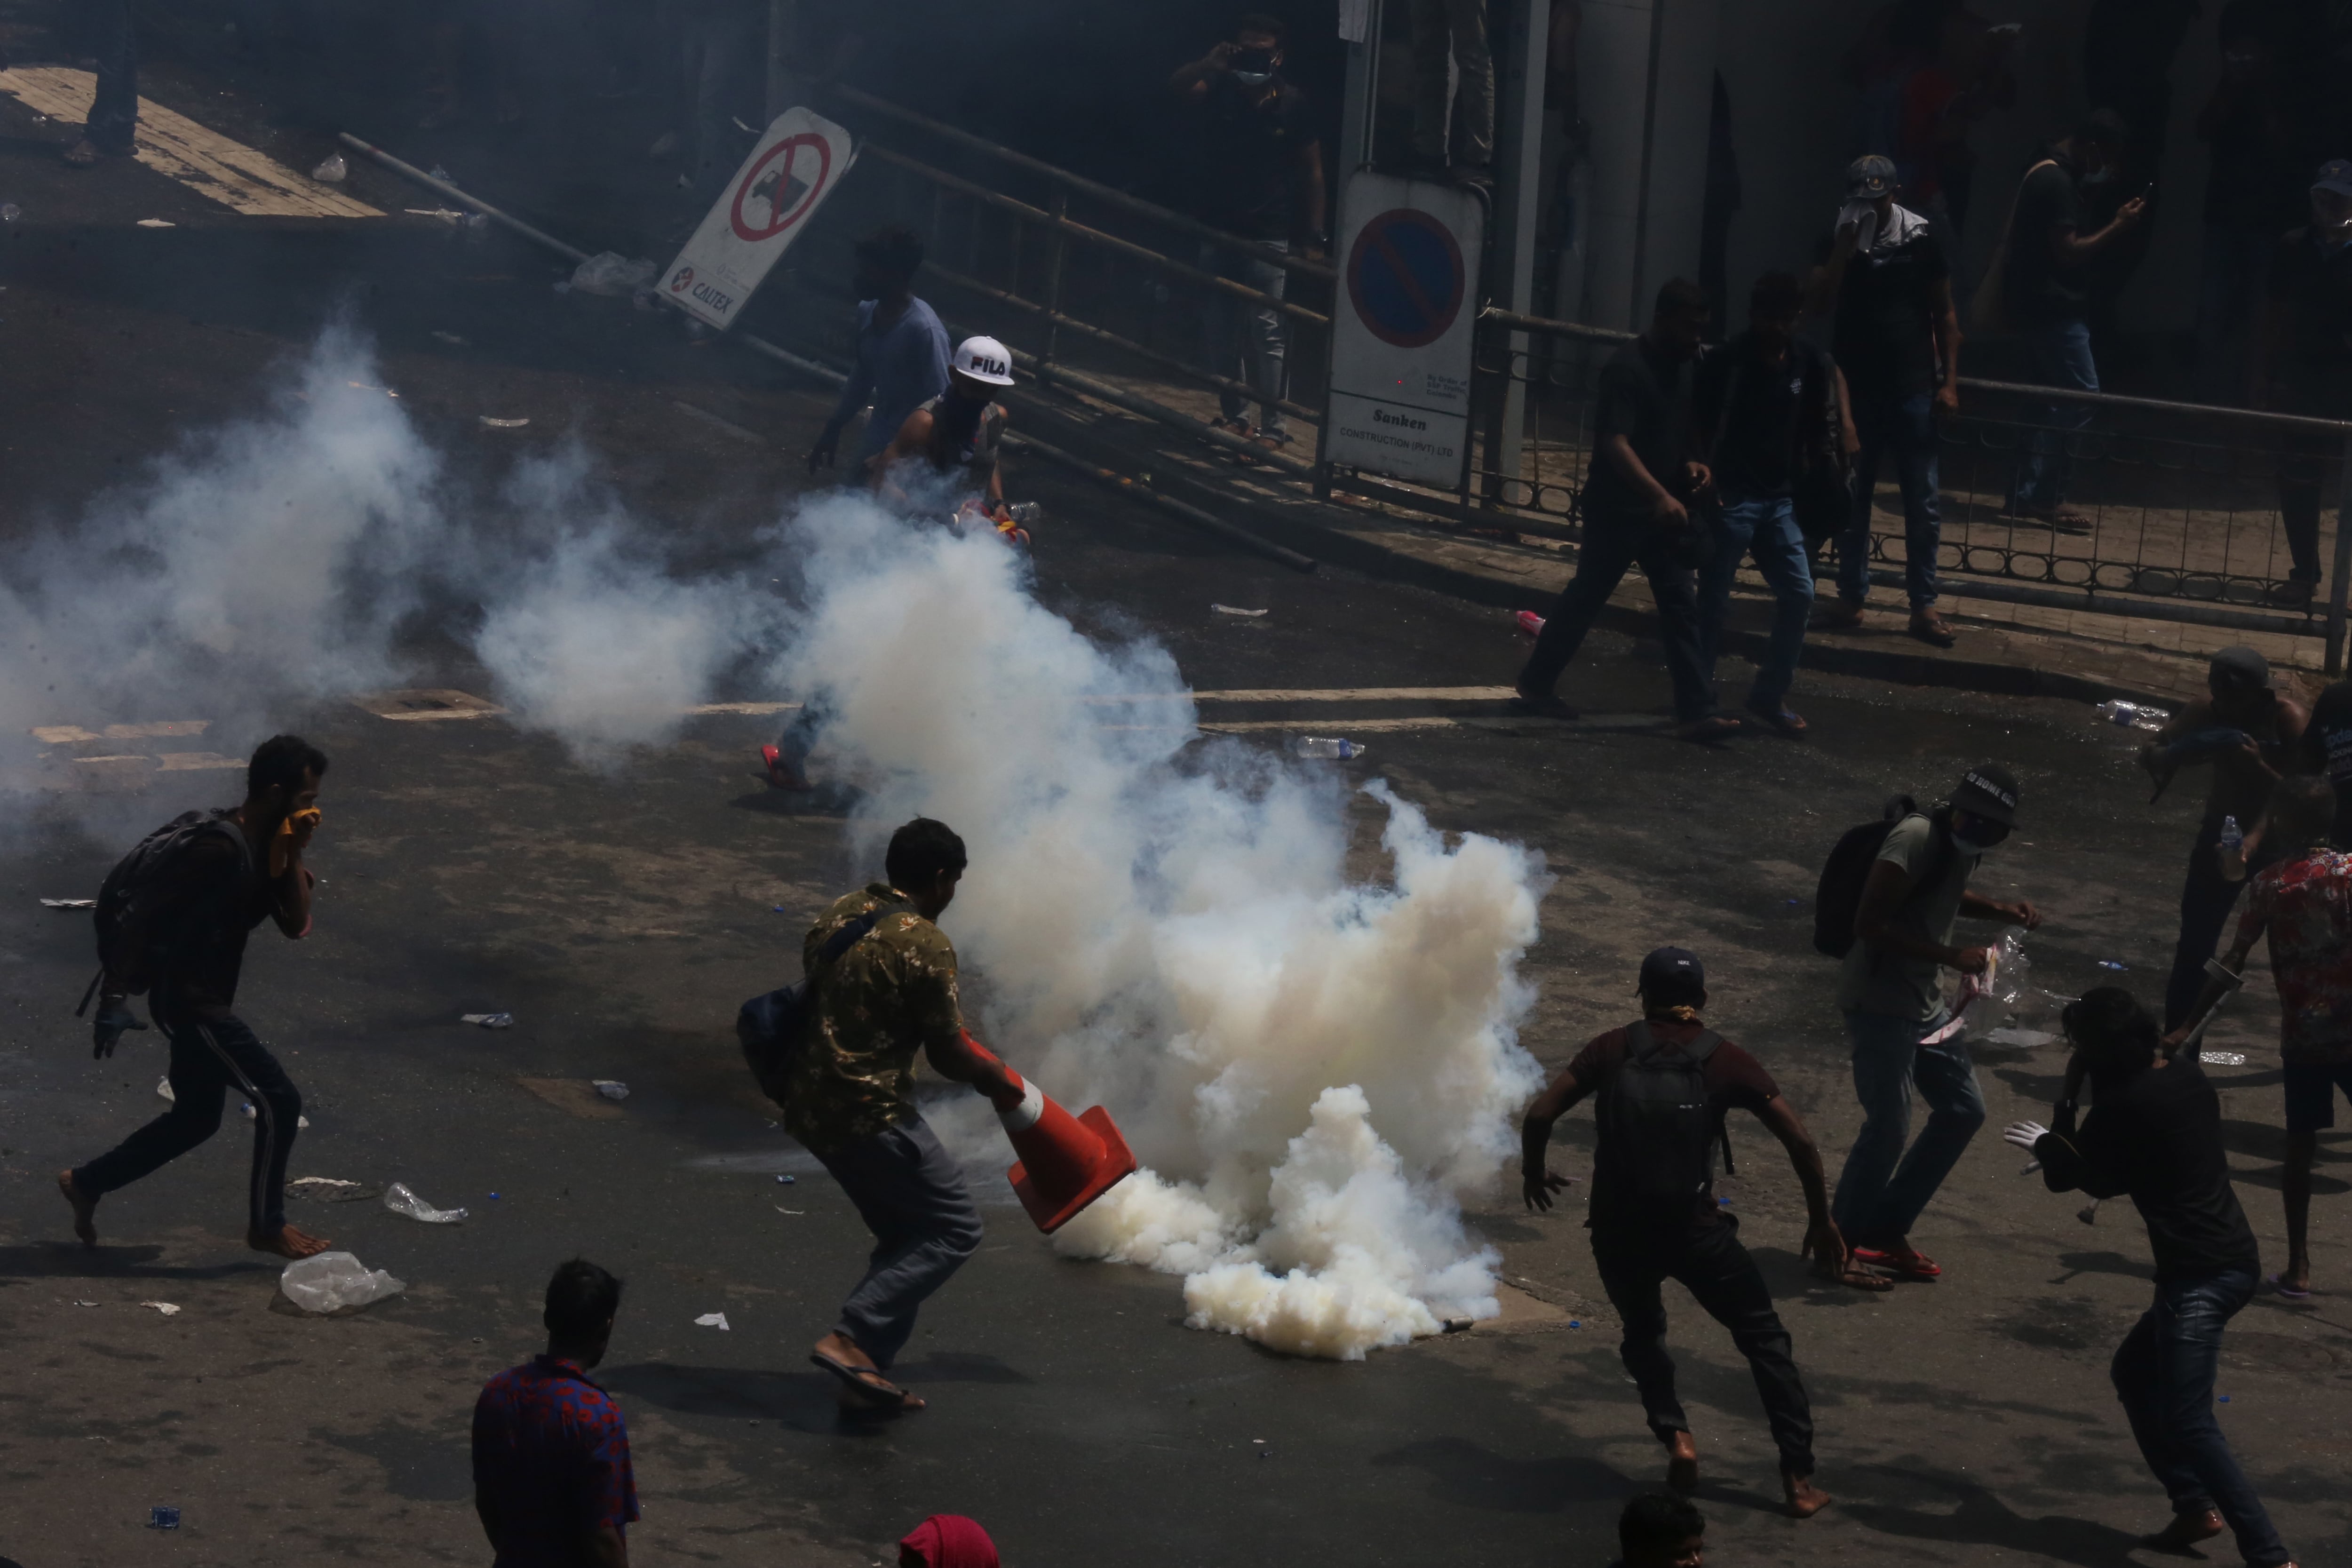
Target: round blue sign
[(1405, 277)]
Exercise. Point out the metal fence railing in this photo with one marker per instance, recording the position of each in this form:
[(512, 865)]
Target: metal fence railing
[(2183, 512), (1116, 297)]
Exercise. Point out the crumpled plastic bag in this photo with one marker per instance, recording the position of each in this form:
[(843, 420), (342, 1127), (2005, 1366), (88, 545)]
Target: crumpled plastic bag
[(332, 1281), (610, 272), (2010, 985)]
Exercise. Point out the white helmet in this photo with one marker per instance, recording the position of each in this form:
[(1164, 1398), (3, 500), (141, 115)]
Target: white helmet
[(985, 360)]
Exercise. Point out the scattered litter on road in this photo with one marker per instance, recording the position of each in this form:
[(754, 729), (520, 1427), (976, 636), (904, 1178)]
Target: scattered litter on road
[(332, 170), (157, 223), (2029, 1168), (1325, 746), (453, 340), (169, 1308), (68, 904), (446, 214), (1529, 621), (163, 1516), (85, 1303), (1575, 1323), (610, 1089), (491, 424), (712, 1321), (335, 1282), (399, 1199), (2223, 1058), (2224, 1398), (1444, 1326), (2089, 1213), (2111, 964), (488, 1020), (2134, 715), (795, 1213), (438, 173), (609, 272), (163, 1089), (2025, 1037), (331, 1188), (1229, 610), (783, 1181)]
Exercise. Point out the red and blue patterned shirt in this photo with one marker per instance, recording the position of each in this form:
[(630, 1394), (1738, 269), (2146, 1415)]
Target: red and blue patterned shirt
[(2305, 906), (551, 1460)]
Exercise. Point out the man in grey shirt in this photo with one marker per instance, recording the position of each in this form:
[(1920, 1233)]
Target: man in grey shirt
[(901, 358), (1892, 992)]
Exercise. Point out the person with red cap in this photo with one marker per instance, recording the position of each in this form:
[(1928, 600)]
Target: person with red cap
[(946, 1540)]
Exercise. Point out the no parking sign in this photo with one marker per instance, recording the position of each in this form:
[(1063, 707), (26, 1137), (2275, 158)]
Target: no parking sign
[(1402, 335), (763, 209)]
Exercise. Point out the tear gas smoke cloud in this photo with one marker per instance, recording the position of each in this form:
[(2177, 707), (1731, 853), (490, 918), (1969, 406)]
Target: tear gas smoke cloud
[(1313, 1067)]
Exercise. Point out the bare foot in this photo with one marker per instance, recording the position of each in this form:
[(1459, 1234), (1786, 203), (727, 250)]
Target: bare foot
[(85, 1209), (288, 1243), (1682, 1462), (2186, 1531), (1805, 1499)]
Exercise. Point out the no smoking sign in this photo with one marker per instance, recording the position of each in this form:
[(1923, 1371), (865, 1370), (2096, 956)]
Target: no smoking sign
[(763, 209)]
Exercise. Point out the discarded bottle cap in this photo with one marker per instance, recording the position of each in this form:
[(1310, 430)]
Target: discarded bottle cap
[(783, 1181)]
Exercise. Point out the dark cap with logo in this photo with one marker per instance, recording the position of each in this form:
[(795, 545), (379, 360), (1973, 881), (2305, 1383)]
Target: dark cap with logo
[(2238, 669), (1869, 177), (1990, 791), (1669, 970)]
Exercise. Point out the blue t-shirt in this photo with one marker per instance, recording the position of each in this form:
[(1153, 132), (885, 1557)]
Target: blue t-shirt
[(551, 1455), (898, 368)]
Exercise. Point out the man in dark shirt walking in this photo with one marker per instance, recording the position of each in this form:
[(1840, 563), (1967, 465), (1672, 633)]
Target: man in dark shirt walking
[(2045, 289), (1665, 1086), (184, 928), (2302, 361), (1897, 342), (2155, 1132), (901, 356), (553, 1482), (1260, 177), (1635, 505), (1765, 406)]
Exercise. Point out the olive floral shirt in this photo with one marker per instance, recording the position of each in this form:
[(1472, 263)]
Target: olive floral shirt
[(875, 1005)]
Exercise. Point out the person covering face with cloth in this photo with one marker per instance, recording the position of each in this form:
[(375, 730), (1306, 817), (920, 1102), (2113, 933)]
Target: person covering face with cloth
[(1892, 992), (883, 983), (174, 917), (2155, 1132), (1664, 1085), (1897, 342), (953, 442)]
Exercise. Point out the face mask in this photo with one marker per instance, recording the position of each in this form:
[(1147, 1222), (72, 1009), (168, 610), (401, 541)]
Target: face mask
[(1253, 68), (2099, 176), (1970, 846)]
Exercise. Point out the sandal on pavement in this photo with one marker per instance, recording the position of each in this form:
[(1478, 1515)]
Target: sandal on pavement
[(1780, 718), (1929, 628), (1901, 1262), (1836, 616), (1541, 705), (1714, 727), (1855, 1277), (2286, 1292), (875, 1390)]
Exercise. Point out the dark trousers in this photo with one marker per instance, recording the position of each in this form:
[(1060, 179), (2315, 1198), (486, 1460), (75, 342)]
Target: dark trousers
[(911, 1195), (1716, 1270), (209, 1058), (2308, 462), (2164, 1373), (1903, 428), (1613, 545), (116, 109), (2206, 900)]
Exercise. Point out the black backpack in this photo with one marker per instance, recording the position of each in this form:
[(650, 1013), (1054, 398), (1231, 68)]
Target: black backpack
[(128, 949), (1847, 870), (1660, 1130), (773, 1027)]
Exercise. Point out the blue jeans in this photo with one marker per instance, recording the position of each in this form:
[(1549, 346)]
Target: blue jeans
[(1767, 527), (1904, 428), (114, 112), (2062, 357), (1883, 1190), (910, 1193), (2163, 1372), (1246, 335)]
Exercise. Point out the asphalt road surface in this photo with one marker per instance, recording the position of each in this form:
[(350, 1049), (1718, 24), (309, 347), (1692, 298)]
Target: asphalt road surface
[(620, 918)]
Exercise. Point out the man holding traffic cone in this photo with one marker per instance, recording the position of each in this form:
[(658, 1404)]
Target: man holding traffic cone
[(882, 980)]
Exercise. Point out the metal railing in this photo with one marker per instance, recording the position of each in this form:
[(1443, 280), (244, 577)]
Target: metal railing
[(2173, 510)]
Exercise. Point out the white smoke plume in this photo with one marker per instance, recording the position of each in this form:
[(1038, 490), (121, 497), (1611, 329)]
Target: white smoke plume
[(1313, 1063)]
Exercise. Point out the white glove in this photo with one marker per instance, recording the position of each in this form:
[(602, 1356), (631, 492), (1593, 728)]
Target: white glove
[(2025, 1134)]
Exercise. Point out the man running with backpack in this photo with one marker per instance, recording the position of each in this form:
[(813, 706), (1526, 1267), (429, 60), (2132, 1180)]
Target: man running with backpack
[(1889, 896), (172, 921), (1665, 1086)]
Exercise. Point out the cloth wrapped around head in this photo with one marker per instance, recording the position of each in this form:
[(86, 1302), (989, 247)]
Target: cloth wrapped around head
[(946, 1540)]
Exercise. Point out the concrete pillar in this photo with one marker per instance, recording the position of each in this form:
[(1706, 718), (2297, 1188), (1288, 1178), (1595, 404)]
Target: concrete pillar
[(1614, 69)]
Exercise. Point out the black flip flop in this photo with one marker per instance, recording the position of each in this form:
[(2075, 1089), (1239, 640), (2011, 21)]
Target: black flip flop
[(867, 1384)]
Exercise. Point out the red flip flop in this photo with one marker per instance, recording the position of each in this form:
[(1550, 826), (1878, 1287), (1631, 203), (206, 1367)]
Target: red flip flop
[(1903, 1263)]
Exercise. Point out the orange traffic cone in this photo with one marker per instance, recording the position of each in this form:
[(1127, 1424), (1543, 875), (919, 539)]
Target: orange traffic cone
[(1066, 1162)]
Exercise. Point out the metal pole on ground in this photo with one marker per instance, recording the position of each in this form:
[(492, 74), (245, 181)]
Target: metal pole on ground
[(783, 32), (1360, 29), (1518, 199), (1639, 315)]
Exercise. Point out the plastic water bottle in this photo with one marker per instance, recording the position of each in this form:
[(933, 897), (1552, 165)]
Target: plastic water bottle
[(1323, 746), (2233, 851), (2133, 715)]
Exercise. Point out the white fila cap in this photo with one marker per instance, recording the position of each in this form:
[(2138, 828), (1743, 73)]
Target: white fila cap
[(985, 360)]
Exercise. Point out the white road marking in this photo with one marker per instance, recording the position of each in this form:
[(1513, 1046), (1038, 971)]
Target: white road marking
[(203, 159), (425, 703), (1325, 694), (71, 734), (755, 709), (189, 762)]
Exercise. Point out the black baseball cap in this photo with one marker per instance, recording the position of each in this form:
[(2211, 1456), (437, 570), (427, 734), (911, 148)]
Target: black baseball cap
[(1672, 969), (1990, 791), (2239, 669)]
